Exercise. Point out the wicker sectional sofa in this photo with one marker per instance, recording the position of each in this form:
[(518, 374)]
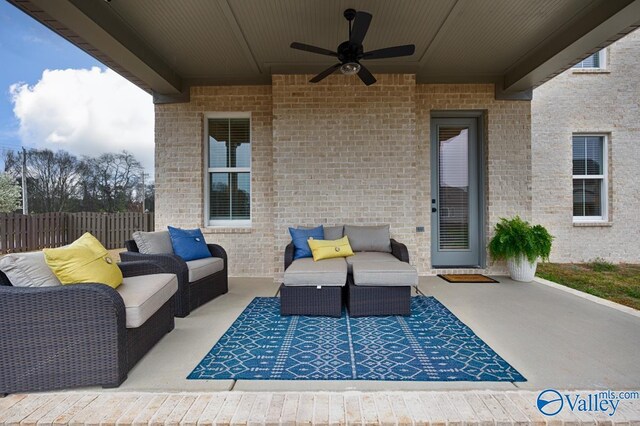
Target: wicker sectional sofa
[(66, 336), (376, 280)]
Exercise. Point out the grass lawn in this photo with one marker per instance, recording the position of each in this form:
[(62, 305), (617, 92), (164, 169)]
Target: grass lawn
[(618, 283)]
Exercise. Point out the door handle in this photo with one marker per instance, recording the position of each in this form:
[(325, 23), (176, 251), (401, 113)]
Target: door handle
[(433, 210)]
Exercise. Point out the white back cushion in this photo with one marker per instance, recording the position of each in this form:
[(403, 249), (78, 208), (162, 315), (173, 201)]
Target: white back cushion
[(153, 242), (28, 270)]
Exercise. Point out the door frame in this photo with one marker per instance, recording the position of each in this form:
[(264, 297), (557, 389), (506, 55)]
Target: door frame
[(481, 120)]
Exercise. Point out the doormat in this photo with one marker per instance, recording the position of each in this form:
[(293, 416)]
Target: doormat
[(430, 345), (467, 278)]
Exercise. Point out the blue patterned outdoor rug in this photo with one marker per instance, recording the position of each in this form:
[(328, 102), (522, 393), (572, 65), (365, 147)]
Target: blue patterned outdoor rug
[(430, 345)]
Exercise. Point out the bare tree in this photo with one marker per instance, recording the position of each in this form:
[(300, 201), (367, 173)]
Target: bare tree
[(110, 181), (59, 181), (53, 178)]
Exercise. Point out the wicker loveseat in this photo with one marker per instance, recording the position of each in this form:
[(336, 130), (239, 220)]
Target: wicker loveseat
[(199, 281), (62, 337), (376, 280)]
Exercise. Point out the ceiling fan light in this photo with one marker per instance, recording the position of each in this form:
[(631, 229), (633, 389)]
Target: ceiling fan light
[(350, 68)]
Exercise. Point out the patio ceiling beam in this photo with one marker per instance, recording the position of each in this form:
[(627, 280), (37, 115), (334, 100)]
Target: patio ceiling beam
[(587, 33), (106, 37)]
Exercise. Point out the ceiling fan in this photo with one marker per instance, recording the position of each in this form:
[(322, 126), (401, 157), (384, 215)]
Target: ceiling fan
[(351, 52)]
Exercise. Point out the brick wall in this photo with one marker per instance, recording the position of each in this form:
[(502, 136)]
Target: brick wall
[(336, 152), (507, 132), (180, 172), (590, 102), (344, 153)]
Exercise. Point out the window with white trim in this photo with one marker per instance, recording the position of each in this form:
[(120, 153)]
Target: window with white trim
[(228, 141), (596, 61), (589, 178)]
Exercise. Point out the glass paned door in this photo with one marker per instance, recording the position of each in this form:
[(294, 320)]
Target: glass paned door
[(454, 202)]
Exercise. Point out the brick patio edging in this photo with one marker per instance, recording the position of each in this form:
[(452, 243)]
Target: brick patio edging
[(452, 408)]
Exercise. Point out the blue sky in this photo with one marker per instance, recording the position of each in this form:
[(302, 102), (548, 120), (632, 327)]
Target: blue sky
[(27, 48), (64, 98)]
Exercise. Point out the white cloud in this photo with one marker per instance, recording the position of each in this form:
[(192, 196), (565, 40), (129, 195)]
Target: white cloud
[(86, 112)]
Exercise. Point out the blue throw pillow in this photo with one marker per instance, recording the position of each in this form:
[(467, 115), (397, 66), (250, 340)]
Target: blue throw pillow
[(300, 237), (189, 244)]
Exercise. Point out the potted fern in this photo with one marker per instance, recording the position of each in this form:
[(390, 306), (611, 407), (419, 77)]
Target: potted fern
[(521, 245)]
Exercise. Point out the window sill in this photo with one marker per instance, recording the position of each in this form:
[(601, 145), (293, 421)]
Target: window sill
[(226, 230), (592, 224), (590, 71)]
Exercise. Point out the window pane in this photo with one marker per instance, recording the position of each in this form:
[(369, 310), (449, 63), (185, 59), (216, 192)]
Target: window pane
[(592, 197), (241, 196), (588, 155), (594, 154), (239, 135), (230, 196), (218, 142), (587, 197), (579, 165), (592, 61), (219, 197), (453, 144), (578, 197)]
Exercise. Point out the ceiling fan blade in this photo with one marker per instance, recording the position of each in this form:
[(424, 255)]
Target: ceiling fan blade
[(312, 49), (360, 27), (366, 77), (391, 52), (325, 73)]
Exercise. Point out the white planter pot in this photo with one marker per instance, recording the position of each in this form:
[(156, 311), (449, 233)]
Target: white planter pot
[(520, 269)]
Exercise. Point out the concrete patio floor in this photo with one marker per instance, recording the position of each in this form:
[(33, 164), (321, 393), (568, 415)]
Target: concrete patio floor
[(555, 339)]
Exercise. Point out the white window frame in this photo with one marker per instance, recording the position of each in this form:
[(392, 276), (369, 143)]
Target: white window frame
[(602, 60), (604, 187), (240, 223)]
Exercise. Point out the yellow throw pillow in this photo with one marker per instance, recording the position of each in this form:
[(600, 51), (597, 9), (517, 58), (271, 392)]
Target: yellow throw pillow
[(328, 249), (83, 261)]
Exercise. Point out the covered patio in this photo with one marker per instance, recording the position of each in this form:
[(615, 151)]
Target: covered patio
[(554, 338), (339, 152)]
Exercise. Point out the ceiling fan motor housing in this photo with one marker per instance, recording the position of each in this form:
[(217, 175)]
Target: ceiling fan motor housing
[(349, 14), (349, 52)]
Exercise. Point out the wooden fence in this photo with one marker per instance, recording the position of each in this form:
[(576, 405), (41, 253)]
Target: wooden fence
[(19, 233)]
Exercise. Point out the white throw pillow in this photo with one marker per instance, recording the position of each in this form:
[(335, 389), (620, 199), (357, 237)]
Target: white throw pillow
[(153, 242), (28, 270)]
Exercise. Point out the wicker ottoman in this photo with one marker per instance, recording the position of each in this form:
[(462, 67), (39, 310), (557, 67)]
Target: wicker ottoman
[(323, 301), (313, 288), (381, 288)]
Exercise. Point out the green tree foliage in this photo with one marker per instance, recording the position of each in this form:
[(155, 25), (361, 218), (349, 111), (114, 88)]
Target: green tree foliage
[(10, 194)]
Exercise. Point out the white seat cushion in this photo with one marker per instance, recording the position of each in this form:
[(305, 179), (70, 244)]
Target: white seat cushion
[(385, 274), (307, 272), (144, 295), (201, 268), (369, 256)]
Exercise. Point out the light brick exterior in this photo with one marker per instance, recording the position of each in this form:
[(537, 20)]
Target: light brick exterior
[(180, 172), (507, 157), (344, 153), (590, 102), (336, 152)]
